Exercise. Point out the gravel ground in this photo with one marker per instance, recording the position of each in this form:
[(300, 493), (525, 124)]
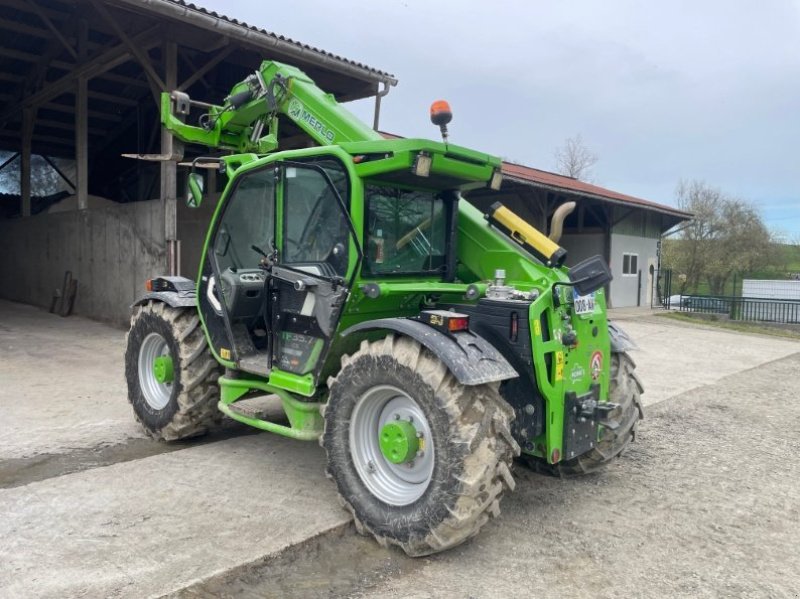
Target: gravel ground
[(705, 504)]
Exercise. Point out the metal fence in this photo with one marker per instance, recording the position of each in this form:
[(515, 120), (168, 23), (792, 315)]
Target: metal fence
[(738, 308)]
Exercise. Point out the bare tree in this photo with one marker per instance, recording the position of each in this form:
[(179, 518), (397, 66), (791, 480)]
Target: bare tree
[(726, 236), (574, 159)]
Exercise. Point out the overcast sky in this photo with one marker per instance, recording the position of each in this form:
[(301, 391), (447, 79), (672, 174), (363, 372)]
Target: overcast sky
[(660, 91)]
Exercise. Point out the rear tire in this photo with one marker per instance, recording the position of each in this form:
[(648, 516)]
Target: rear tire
[(187, 406), (625, 390), (467, 435)]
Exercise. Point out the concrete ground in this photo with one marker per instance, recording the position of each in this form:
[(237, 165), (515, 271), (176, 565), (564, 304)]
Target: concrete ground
[(93, 508)]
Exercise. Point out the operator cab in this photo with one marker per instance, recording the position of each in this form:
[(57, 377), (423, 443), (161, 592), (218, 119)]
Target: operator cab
[(275, 269)]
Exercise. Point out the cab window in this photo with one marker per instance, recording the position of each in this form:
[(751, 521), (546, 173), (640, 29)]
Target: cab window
[(405, 231), (316, 234), (248, 220)]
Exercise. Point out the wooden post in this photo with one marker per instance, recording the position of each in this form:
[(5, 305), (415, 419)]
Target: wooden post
[(82, 124), (28, 118), (82, 144), (169, 174)]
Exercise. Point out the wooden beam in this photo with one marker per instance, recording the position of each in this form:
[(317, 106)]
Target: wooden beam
[(69, 126), (28, 120), (93, 114), (130, 81), (106, 61), (169, 169), (20, 55), (10, 77), (37, 137), (207, 66), (113, 98), (24, 6), (53, 29), (9, 160), (82, 123), (58, 171), (19, 27), (133, 48)]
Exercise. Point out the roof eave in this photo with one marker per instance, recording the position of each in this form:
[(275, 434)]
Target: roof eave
[(655, 208), (257, 37)]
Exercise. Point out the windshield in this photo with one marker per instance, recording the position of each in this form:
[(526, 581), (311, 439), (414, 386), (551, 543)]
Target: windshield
[(247, 228), (405, 231)]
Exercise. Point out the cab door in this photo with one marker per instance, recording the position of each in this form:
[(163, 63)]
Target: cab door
[(317, 254), (277, 267), (232, 288)]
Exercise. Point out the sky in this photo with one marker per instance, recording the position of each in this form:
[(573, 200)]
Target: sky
[(659, 91)]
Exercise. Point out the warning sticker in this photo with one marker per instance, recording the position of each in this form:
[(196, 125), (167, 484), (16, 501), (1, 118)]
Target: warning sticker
[(537, 328), (224, 353), (559, 365), (596, 365)]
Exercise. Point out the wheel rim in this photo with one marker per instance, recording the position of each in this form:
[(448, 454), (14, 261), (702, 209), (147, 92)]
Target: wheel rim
[(395, 484), (156, 394)]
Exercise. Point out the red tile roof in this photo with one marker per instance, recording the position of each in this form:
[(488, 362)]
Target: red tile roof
[(535, 176)]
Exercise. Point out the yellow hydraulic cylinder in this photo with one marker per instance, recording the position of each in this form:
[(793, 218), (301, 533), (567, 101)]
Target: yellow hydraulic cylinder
[(530, 238)]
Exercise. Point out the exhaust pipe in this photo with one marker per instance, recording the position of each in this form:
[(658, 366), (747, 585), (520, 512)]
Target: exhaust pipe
[(557, 222)]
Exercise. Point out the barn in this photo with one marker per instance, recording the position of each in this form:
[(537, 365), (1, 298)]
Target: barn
[(79, 87)]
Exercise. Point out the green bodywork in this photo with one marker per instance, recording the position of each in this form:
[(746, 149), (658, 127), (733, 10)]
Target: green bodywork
[(481, 250)]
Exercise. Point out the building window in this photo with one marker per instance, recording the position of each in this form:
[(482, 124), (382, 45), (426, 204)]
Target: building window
[(630, 264)]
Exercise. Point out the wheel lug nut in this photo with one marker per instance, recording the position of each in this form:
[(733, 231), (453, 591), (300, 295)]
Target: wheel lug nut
[(371, 466), (420, 453), (397, 416), (419, 434)]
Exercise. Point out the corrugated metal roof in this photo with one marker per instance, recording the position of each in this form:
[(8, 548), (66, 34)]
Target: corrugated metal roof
[(383, 75), (527, 174)]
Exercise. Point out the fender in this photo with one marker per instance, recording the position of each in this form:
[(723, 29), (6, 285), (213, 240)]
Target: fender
[(471, 359), (620, 340), (178, 292)]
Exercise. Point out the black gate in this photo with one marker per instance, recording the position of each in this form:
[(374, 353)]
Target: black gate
[(662, 288)]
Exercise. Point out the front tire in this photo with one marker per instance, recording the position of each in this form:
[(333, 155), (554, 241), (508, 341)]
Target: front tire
[(450, 488), (181, 402)]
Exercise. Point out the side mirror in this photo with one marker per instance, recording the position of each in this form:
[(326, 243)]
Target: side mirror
[(590, 275), (194, 190)]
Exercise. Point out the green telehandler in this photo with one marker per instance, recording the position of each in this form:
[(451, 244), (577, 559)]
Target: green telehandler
[(424, 343)]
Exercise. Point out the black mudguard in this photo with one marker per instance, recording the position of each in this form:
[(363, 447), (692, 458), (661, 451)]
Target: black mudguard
[(620, 340), (471, 359), (183, 296)]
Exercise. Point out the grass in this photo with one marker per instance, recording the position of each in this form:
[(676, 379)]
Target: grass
[(785, 331), (787, 262)]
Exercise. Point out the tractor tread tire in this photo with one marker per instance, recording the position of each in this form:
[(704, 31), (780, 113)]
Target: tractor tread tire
[(481, 449), (192, 409), (625, 389)]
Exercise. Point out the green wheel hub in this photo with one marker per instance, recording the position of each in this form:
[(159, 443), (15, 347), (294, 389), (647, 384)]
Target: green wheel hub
[(163, 369), (399, 442)]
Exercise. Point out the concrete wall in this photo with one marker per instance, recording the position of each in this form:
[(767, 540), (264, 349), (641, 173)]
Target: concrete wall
[(110, 251), (192, 228), (582, 246), (625, 288)]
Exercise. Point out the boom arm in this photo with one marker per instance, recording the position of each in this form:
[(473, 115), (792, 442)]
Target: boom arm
[(248, 119)]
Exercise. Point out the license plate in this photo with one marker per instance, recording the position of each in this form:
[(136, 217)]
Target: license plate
[(584, 304)]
